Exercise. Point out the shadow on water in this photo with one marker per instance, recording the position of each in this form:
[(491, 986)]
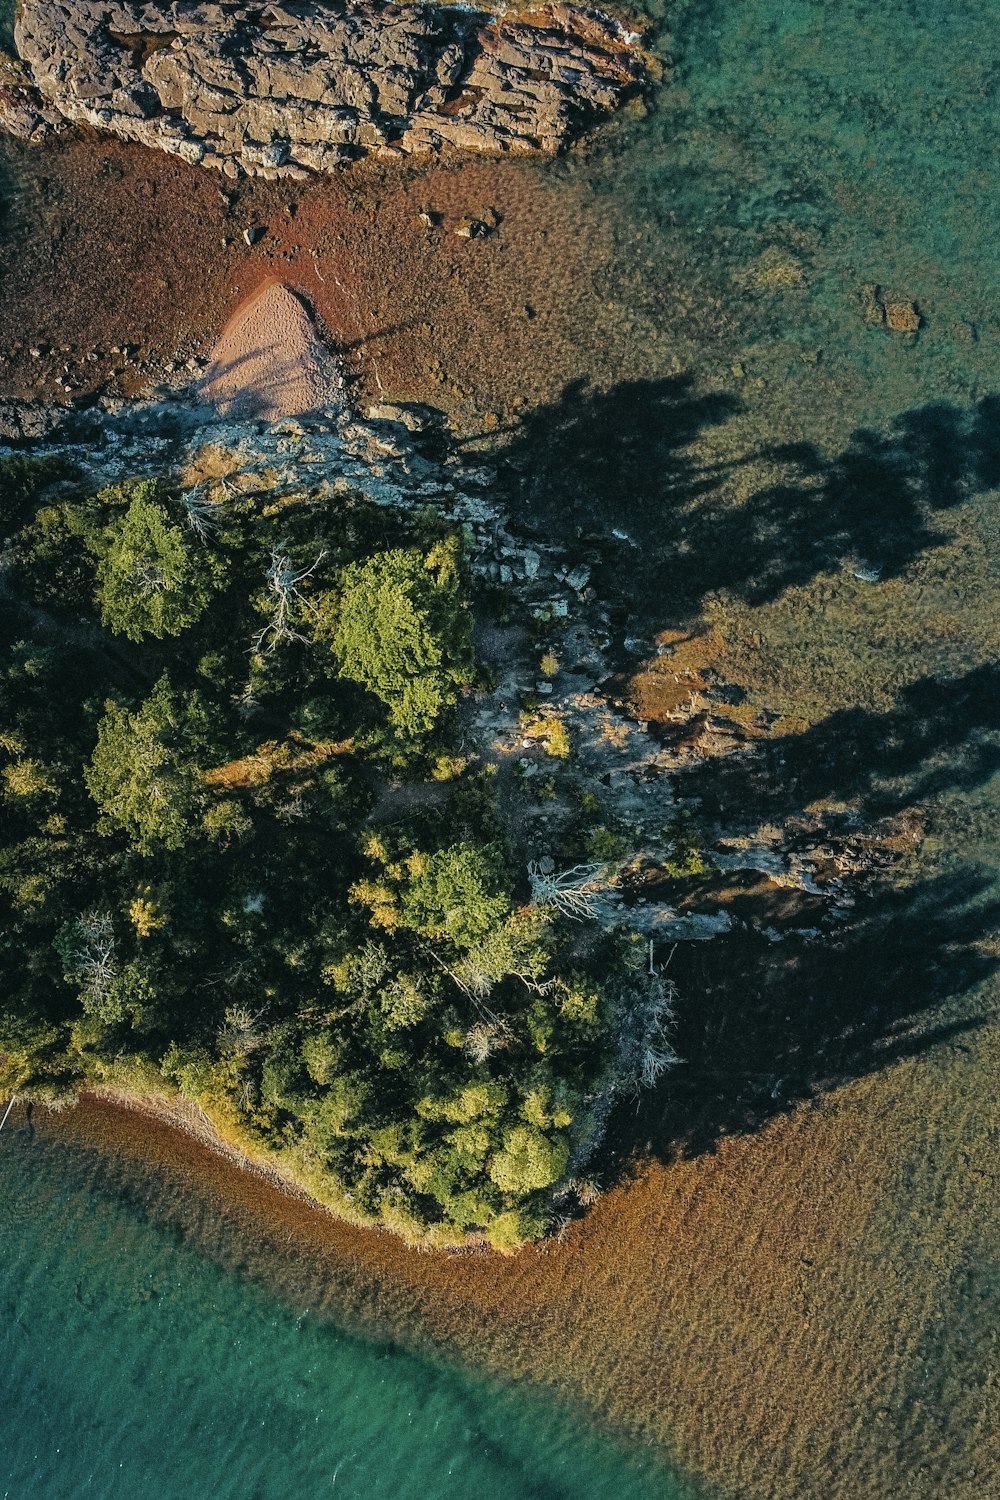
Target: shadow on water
[(764, 1025), (772, 1025), (943, 735), (596, 461)]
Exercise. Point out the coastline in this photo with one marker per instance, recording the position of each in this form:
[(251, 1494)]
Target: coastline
[(779, 1286), (184, 1117)]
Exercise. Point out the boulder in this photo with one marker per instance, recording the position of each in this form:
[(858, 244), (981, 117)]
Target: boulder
[(282, 89)]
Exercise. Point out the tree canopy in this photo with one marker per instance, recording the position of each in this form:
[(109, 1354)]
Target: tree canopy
[(402, 628), (195, 892), (149, 580)]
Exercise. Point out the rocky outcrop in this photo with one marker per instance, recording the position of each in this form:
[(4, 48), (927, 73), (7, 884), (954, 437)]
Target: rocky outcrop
[(23, 111), (285, 89)]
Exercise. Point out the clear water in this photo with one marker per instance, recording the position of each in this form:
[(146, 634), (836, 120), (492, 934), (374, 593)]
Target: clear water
[(133, 1365), (805, 150)]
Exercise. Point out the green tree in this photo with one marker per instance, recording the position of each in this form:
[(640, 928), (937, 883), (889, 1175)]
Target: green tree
[(150, 580), (529, 1160), (141, 774), (402, 630)]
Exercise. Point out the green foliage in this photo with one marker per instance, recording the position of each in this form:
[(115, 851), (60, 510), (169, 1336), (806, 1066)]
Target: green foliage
[(150, 580), (22, 480), (529, 1160), (454, 892), (140, 774), (191, 894), (401, 628), (687, 850)]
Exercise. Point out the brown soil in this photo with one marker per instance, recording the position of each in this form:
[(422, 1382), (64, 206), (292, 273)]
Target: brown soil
[(142, 253)]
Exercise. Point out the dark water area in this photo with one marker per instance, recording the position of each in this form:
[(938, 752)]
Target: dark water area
[(135, 1365)]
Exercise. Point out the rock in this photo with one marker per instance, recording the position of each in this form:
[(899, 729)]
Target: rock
[(23, 111), (579, 577), (387, 411), (279, 90), (889, 310), (253, 233), (25, 421), (902, 317), (532, 562)]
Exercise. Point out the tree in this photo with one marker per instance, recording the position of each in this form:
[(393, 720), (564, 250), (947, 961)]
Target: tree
[(402, 630), (141, 775), (529, 1160), (150, 580)]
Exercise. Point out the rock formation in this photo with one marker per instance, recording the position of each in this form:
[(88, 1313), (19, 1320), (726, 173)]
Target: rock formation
[(284, 89), (23, 111)]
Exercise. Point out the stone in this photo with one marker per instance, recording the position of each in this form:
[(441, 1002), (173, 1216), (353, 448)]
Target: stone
[(303, 87), (902, 317)]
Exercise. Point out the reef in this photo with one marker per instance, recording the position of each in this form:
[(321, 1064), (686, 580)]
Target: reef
[(285, 90)]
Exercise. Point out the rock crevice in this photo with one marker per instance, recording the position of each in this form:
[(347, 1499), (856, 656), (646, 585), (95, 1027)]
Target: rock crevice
[(301, 87)]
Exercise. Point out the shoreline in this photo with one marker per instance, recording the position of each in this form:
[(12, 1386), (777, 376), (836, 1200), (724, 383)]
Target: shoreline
[(190, 1120), (773, 1286)]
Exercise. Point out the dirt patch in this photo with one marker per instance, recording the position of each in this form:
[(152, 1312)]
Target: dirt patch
[(120, 264), (269, 363)]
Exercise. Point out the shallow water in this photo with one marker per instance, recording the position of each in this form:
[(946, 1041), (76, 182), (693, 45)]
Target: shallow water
[(134, 1365), (767, 443)]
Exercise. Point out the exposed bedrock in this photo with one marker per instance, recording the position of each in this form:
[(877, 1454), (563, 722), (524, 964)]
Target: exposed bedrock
[(286, 89)]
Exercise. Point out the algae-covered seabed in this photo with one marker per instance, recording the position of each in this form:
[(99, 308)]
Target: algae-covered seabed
[(793, 1289)]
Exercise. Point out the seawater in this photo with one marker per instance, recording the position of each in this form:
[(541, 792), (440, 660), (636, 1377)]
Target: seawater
[(133, 1365), (801, 152)]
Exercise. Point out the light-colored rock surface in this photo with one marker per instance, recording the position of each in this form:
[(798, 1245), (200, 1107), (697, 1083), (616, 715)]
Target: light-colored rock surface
[(269, 363), (287, 89), (23, 111)]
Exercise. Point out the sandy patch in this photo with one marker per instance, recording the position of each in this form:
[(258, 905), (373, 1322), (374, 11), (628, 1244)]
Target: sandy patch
[(269, 363)]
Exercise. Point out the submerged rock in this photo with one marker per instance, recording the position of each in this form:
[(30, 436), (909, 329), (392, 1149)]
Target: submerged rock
[(288, 89)]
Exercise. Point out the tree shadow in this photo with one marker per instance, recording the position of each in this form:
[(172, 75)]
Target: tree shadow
[(762, 1025), (942, 736), (618, 469), (774, 1025)]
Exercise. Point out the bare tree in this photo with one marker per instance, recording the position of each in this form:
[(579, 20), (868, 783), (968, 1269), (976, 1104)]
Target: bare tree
[(572, 892), (238, 1033), (94, 957), (285, 600), (200, 511)]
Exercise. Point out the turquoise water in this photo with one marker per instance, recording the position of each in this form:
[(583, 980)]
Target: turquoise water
[(135, 1366), (804, 151)]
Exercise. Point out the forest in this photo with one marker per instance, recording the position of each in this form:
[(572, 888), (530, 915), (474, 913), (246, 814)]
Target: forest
[(243, 862)]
